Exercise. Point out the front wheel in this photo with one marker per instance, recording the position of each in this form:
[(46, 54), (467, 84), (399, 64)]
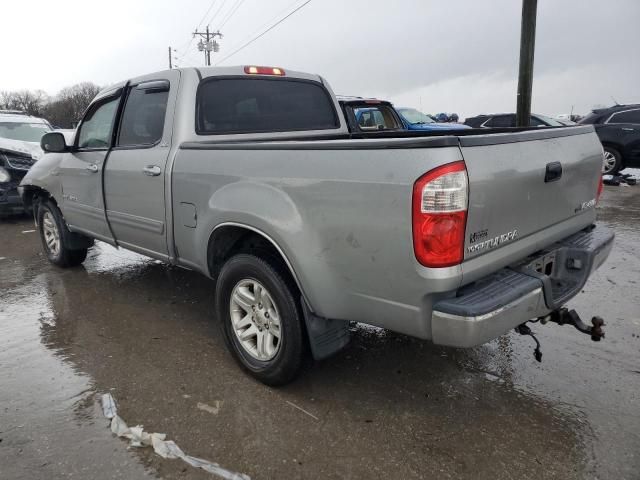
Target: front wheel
[(257, 306), (54, 235)]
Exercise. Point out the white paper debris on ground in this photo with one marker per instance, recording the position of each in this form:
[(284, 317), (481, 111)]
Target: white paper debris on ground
[(3, 258), (108, 405), (28, 231), (167, 448), (161, 446), (208, 408)]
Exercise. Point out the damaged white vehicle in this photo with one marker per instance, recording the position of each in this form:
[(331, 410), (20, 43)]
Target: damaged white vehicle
[(20, 136)]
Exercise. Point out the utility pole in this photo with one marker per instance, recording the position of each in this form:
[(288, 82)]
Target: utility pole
[(527, 49), (209, 45), (170, 65)]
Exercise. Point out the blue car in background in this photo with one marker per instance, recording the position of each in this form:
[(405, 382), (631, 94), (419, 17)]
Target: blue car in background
[(416, 120)]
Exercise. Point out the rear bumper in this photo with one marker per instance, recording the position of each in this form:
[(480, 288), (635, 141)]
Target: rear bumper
[(541, 283)]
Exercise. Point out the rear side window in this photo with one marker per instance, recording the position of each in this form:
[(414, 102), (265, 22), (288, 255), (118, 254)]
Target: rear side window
[(143, 117), (630, 116), (251, 105)]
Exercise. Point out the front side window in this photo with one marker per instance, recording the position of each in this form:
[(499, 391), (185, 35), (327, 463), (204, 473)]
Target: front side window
[(143, 117), (97, 125), (249, 105), (630, 116), (24, 131)]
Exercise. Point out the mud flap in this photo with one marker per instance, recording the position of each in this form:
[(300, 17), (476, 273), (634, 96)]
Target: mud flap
[(326, 336)]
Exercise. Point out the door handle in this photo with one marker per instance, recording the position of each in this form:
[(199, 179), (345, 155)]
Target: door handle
[(92, 167), (628, 129), (151, 170)]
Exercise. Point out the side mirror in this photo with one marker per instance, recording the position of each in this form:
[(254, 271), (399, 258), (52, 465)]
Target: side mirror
[(53, 142)]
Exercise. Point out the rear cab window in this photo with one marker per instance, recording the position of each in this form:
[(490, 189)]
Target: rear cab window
[(371, 116), (379, 117), (228, 105)]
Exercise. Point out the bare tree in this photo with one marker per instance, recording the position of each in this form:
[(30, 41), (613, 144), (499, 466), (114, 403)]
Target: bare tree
[(64, 110), (69, 105), (30, 102)]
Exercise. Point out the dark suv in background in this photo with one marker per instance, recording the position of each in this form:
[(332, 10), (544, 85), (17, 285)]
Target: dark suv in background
[(502, 120), (619, 130)]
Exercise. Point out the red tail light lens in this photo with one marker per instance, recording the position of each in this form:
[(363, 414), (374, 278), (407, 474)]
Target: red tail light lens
[(440, 199)]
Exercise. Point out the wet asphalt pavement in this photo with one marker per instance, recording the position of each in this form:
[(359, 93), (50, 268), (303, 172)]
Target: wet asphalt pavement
[(386, 407)]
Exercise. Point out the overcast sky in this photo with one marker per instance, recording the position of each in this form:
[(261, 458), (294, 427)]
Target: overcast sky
[(437, 55)]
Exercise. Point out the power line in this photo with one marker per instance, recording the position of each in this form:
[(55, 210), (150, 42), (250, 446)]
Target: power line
[(216, 12), (268, 23), (232, 11), (206, 13), (265, 32)]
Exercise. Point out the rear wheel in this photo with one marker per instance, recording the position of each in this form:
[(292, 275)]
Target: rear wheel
[(260, 318), (54, 235), (612, 161)]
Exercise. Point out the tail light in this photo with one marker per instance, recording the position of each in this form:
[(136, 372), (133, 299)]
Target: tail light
[(600, 188), (440, 199)]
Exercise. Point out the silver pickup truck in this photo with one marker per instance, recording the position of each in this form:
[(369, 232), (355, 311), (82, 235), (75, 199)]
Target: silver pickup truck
[(252, 176)]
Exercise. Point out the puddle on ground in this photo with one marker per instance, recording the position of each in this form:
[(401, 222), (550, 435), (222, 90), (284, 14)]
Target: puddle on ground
[(388, 406)]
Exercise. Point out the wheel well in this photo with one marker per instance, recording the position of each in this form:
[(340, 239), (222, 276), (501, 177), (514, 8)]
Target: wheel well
[(230, 240), (33, 196)]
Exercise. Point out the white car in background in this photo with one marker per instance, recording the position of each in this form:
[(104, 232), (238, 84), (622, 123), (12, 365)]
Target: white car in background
[(20, 136)]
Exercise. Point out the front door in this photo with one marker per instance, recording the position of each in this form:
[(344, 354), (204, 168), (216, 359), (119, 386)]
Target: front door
[(81, 169), (135, 175)]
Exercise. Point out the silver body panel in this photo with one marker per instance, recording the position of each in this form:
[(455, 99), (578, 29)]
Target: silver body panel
[(339, 211)]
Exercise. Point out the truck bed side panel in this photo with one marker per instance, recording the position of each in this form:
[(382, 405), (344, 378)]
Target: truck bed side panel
[(341, 216)]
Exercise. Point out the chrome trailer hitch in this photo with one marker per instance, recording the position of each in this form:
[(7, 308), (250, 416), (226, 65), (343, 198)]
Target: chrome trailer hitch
[(564, 316)]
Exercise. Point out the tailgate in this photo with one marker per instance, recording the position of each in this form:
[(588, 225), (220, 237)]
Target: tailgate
[(509, 196)]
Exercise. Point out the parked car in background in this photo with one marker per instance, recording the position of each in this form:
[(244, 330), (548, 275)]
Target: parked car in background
[(20, 136), (505, 120), (619, 130), (254, 177), (370, 114), (416, 120)]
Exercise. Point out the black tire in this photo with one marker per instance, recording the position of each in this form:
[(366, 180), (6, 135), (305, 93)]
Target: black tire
[(618, 161), (62, 256), (288, 359)]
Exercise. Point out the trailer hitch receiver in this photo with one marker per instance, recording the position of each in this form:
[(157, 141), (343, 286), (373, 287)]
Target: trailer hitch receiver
[(564, 316)]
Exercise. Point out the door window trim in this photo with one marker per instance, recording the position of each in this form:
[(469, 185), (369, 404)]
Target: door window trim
[(158, 85), (94, 106)]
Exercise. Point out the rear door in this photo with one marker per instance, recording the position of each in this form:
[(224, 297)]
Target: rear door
[(135, 173), (523, 183), (81, 169)]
